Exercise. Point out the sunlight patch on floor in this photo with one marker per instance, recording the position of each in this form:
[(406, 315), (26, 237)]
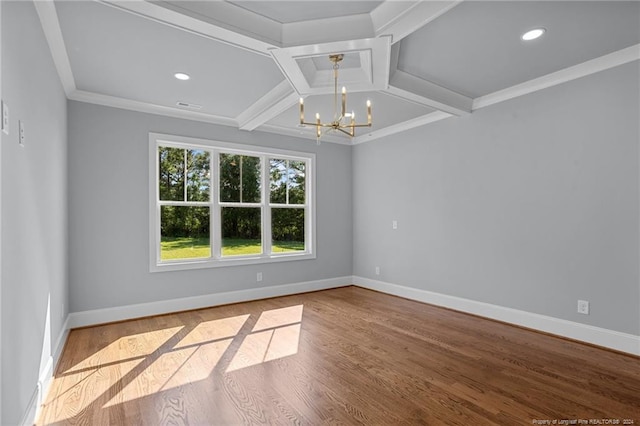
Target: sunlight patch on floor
[(141, 365), (275, 335), (213, 330), (134, 346), (279, 317), (179, 367)]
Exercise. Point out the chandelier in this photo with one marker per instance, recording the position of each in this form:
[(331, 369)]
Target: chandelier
[(344, 122)]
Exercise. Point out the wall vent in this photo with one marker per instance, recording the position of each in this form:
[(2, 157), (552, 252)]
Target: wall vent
[(188, 105)]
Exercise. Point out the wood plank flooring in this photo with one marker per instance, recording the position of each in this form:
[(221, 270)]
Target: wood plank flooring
[(342, 356)]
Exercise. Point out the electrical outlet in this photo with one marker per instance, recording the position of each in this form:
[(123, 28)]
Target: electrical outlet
[(583, 307), (394, 224), (259, 276), (21, 132), (5, 118), (377, 270)]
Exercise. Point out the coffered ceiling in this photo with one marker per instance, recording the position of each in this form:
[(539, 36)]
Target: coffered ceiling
[(249, 62)]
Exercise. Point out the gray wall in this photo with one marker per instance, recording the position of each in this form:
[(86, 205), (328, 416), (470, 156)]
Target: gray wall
[(109, 212), (529, 204), (34, 208)]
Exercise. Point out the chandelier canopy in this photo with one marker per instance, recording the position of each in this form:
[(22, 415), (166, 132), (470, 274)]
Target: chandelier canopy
[(343, 121)]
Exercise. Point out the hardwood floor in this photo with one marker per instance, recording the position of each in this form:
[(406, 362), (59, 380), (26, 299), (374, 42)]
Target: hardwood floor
[(342, 356)]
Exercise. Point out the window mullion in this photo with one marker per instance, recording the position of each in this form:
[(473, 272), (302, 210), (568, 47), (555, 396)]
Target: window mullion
[(183, 203), (241, 185), (157, 229), (215, 226), (266, 210), (184, 178)]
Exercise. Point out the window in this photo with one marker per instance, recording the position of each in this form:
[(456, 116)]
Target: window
[(219, 204)]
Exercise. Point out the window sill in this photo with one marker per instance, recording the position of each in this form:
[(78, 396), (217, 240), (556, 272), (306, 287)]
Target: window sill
[(218, 263)]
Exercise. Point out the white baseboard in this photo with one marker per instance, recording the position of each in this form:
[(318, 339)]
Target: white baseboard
[(101, 316), (586, 333), (45, 377)]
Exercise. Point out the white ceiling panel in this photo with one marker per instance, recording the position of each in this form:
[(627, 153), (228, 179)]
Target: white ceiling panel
[(116, 53), (286, 12), (475, 49)]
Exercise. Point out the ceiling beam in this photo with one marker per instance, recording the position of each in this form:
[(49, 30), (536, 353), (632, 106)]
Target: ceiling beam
[(401, 18), (278, 100), (423, 92), (52, 32), (188, 23)]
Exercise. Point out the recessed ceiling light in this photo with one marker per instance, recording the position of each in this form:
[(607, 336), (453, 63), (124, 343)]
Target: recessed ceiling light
[(181, 76), (533, 34)]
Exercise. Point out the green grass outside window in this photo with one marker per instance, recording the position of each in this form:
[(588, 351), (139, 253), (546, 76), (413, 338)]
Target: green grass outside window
[(172, 248)]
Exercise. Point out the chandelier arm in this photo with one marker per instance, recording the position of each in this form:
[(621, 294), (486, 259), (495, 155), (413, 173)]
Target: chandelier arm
[(345, 132), (316, 124), (327, 130)]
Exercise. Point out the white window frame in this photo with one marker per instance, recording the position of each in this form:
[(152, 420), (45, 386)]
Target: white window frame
[(216, 260)]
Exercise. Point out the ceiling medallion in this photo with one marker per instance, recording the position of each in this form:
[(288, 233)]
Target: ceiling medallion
[(344, 122)]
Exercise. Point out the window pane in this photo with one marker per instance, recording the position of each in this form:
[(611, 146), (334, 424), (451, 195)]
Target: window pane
[(198, 175), (184, 232), (278, 179), (229, 177), (251, 187), (287, 230), (237, 169), (171, 178), (296, 182), (287, 179), (241, 231)]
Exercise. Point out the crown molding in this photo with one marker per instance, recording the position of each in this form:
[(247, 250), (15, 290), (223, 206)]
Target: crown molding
[(401, 18), (401, 127), (129, 104), (620, 57), (46, 10), (276, 101)]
